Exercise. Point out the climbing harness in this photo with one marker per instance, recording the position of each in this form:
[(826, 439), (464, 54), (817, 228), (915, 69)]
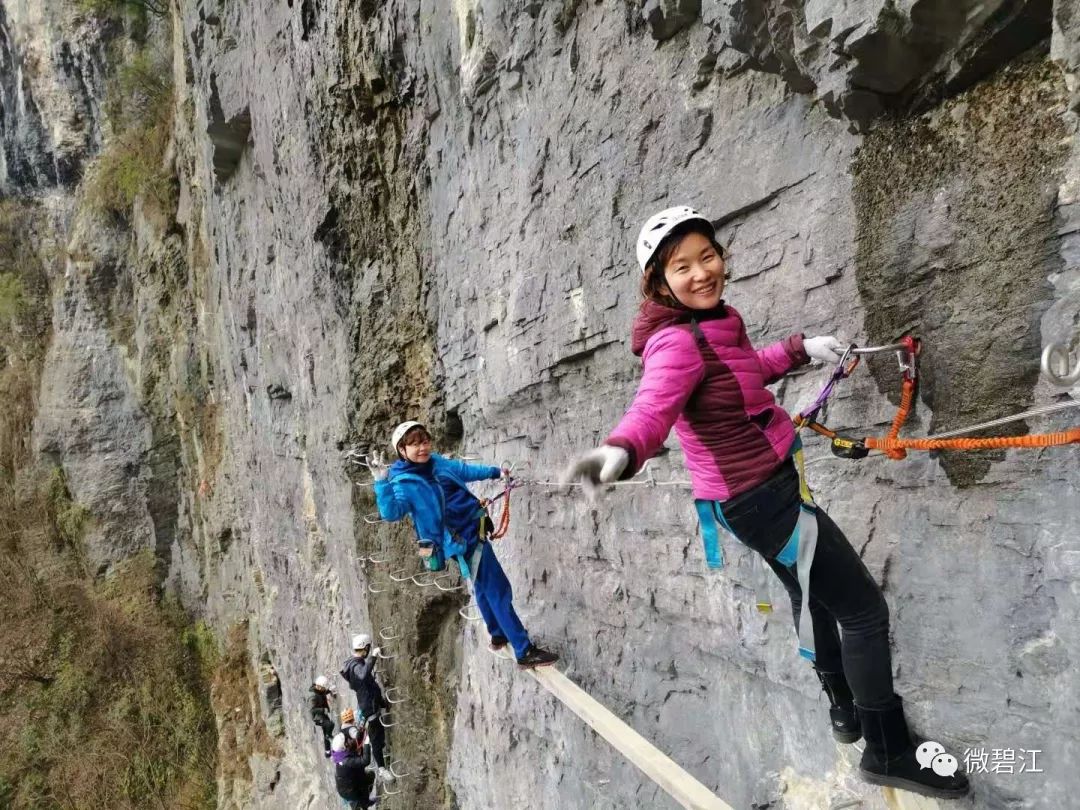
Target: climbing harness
[(468, 570)]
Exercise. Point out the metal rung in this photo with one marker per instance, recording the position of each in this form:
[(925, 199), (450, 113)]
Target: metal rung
[(388, 633), (382, 720), (442, 578), (394, 769), (396, 575), (394, 701), (470, 613), (378, 560), (420, 584), (372, 589)]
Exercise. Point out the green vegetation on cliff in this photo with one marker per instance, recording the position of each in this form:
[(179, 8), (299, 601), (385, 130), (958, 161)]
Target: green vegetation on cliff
[(104, 698)]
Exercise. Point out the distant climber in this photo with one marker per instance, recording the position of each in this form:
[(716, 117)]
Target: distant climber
[(451, 522), (702, 376), (353, 780), (319, 705), (359, 671), (337, 746)]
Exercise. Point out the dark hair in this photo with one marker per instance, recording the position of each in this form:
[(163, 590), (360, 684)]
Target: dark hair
[(653, 277)]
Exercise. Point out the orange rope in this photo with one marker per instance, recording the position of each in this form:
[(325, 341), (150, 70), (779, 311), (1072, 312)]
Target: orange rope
[(907, 396), (896, 448), (504, 516), (1071, 436)]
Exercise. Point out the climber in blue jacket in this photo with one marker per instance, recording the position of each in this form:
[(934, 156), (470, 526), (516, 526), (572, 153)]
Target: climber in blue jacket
[(451, 522)]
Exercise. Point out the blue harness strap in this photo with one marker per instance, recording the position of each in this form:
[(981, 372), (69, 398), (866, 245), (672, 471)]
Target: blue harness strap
[(710, 532), (797, 554)]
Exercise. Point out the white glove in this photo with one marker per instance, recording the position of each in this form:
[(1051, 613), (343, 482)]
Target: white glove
[(600, 466), (377, 652), (377, 465), (826, 348)]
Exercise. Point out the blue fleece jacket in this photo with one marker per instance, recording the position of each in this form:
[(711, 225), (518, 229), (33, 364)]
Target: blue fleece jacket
[(436, 496)]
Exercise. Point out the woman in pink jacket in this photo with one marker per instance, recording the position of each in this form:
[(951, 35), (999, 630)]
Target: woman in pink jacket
[(702, 376)]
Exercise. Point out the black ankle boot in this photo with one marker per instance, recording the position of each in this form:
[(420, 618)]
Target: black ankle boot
[(889, 758), (845, 721)]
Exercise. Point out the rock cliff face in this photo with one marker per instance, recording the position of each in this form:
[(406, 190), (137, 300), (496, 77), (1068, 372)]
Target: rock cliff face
[(427, 209)]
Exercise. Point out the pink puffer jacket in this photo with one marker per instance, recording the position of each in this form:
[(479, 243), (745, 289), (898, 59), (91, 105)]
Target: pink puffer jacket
[(702, 375)]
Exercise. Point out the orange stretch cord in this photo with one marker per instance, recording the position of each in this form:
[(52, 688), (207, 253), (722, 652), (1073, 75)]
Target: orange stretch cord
[(890, 443), (907, 396)]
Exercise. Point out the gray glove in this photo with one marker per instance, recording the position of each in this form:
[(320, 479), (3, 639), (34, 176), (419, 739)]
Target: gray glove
[(377, 465), (826, 348), (600, 466)]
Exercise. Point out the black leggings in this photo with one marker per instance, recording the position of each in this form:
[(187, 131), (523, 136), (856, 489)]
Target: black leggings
[(377, 736), (841, 589), (323, 721)]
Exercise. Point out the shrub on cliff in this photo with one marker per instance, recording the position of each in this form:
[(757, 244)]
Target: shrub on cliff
[(132, 164), (104, 697)]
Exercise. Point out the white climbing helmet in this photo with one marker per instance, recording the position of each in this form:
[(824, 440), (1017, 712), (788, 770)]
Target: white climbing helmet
[(323, 682), (361, 641), (400, 431), (660, 225)]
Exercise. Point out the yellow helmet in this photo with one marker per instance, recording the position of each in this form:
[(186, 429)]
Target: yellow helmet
[(347, 717)]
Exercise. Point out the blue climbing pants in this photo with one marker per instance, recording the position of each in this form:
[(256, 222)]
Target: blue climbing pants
[(494, 598)]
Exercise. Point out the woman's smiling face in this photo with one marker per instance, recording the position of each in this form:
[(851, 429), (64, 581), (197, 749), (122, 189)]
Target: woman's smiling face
[(694, 273), (416, 446)]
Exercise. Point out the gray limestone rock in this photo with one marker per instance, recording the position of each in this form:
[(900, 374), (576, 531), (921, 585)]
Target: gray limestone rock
[(405, 210)]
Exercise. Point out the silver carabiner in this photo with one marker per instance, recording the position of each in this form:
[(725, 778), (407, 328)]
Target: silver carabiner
[(904, 356)]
